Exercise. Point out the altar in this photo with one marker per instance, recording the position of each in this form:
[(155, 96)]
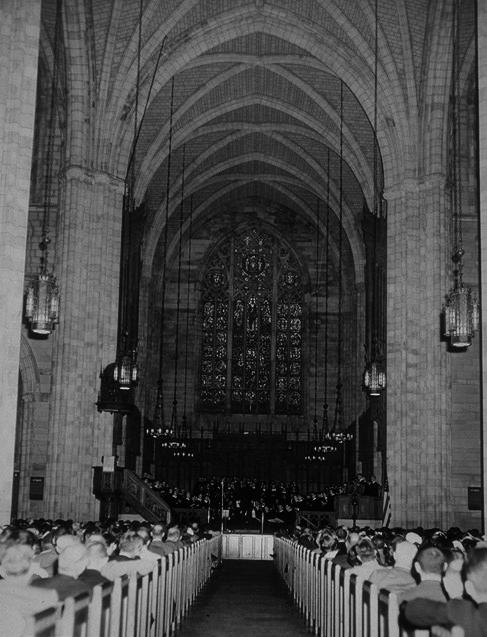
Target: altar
[(247, 546)]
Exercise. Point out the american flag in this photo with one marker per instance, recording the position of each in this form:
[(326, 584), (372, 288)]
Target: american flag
[(386, 505)]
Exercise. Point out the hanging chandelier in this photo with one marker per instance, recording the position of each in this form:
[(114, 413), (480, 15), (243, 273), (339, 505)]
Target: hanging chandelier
[(374, 379), (374, 375), (42, 295), (158, 430), (42, 300), (461, 312), (336, 435), (125, 371)]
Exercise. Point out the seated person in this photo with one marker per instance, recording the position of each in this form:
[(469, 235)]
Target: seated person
[(18, 599), (72, 562), (146, 554), (366, 555), (158, 534), (470, 613), (397, 578), (430, 564), (173, 540), (128, 560), (97, 558)]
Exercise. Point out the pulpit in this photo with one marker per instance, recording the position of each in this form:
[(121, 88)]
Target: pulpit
[(362, 509)]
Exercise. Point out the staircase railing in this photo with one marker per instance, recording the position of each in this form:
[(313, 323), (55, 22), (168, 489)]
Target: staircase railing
[(143, 499)]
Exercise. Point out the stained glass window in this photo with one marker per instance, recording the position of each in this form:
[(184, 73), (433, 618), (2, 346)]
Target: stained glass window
[(252, 328)]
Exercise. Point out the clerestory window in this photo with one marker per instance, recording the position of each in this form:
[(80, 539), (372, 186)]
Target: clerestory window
[(252, 327)]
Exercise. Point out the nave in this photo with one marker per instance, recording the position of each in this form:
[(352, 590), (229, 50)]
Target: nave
[(245, 598)]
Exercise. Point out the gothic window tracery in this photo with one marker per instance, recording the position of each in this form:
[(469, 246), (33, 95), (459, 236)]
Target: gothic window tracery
[(252, 327)]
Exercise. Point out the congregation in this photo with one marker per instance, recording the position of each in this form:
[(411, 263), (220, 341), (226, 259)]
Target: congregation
[(439, 576), (43, 562)]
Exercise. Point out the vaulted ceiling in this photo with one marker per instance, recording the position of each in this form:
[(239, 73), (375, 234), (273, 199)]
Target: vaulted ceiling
[(266, 95)]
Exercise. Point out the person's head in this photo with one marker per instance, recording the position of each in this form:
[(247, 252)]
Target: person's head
[(326, 541), (97, 555), (404, 554), (430, 561), (353, 539), (414, 538), (73, 560), (131, 544), (64, 540), (158, 532), (365, 550), (145, 535), (16, 562), (173, 534), (475, 574)]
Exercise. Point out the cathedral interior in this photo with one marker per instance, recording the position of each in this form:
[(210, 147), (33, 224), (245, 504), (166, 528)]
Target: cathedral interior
[(251, 220)]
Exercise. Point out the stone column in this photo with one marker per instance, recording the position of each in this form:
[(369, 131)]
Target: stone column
[(418, 371), (88, 255), (19, 45), (482, 84)]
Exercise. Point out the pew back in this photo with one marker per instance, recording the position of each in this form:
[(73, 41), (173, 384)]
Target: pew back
[(335, 603), (137, 605)]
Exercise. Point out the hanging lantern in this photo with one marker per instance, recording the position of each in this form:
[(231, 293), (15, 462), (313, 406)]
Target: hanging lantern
[(125, 372), (42, 304), (461, 311), (374, 379), (42, 299)]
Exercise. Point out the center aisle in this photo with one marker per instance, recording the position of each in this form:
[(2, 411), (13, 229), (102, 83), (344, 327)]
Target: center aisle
[(244, 598)]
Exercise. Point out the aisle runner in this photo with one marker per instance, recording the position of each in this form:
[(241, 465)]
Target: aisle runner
[(244, 598)]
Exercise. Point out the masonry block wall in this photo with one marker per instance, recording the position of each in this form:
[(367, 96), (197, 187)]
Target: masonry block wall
[(19, 45)]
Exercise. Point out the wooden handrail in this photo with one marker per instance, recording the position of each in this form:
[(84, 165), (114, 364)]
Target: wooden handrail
[(147, 502)]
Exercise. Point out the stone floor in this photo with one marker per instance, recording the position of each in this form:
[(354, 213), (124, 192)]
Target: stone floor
[(245, 599)]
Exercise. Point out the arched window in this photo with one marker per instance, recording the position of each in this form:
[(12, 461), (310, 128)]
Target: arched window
[(252, 327)]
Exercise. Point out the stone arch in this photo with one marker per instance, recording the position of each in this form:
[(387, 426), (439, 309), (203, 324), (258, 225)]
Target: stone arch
[(391, 100)]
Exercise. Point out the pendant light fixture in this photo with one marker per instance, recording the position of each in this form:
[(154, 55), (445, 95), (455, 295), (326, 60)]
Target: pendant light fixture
[(336, 436), (319, 447), (179, 445), (125, 371), (42, 296), (186, 348), (159, 429), (119, 378), (461, 311), (374, 377)]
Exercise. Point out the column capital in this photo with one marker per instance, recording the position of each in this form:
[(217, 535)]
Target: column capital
[(417, 185), (93, 177)]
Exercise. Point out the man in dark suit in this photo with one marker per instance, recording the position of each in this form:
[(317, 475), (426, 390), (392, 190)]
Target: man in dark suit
[(470, 614), (157, 544), (372, 488)]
